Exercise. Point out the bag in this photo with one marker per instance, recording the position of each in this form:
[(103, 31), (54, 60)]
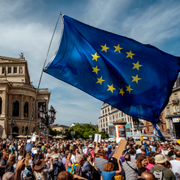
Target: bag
[(71, 169), (132, 167), (89, 152), (118, 177), (95, 175), (159, 174)]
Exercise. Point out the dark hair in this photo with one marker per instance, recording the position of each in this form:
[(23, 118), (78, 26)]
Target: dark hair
[(64, 175), (151, 160), (30, 177), (178, 154), (127, 157)]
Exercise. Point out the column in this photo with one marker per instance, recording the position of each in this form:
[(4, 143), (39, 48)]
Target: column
[(21, 108)]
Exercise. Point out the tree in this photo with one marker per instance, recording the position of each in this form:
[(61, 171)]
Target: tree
[(83, 131)]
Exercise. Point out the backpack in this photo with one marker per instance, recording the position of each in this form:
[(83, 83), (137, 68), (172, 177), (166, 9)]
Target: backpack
[(89, 152), (9, 168), (71, 169), (95, 174), (159, 173)]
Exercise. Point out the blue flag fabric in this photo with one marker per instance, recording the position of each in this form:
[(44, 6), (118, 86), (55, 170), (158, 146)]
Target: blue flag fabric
[(147, 151), (133, 77), (159, 132)]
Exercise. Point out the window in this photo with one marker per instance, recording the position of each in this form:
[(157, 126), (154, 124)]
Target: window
[(3, 70), (0, 105), (175, 96), (9, 69), (178, 109), (15, 69), (106, 124), (106, 119), (15, 108), (26, 109), (168, 111), (121, 114)]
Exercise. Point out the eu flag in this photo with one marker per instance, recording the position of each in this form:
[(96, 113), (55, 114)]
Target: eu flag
[(133, 77)]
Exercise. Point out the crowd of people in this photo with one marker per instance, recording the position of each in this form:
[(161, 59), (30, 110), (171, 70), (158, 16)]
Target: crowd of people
[(83, 159)]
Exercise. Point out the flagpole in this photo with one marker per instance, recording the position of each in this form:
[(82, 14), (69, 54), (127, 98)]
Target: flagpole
[(37, 90)]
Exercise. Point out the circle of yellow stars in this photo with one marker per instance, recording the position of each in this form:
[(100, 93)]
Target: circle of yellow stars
[(118, 49)]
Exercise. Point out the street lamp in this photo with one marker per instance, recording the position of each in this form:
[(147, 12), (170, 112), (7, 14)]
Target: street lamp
[(41, 127), (11, 123), (46, 119)]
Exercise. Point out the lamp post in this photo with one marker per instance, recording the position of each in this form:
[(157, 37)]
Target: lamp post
[(47, 119), (11, 123), (41, 127)]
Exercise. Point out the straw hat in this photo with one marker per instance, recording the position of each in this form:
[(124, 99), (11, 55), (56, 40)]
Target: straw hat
[(160, 159), (39, 164)]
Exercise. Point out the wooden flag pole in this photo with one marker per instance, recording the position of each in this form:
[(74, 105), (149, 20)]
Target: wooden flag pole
[(37, 90)]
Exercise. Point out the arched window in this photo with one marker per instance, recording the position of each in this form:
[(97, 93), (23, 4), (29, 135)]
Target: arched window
[(0, 105), (26, 109), (15, 108)]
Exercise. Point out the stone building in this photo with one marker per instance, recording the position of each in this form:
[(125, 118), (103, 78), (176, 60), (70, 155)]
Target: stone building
[(17, 96), (110, 115), (61, 128)]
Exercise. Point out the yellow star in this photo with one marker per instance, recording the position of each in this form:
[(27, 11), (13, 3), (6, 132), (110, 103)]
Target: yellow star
[(95, 69), (137, 65), (130, 54), (129, 89), (121, 91), (104, 48), (95, 56), (100, 80), (117, 48), (111, 88), (135, 78)]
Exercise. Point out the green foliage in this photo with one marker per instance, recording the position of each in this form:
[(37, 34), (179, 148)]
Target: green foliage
[(83, 131)]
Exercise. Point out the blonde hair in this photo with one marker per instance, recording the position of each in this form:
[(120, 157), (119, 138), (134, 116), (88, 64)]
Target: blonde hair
[(108, 167), (28, 157)]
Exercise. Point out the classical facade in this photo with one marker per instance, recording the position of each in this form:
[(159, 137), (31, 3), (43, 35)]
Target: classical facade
[(110, 115), (17, 95), (61, 128)]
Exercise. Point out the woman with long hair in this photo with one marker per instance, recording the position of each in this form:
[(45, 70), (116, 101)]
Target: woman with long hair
[(141, 164), (3, 163), (68, 160), (87, 167), (151, 163), (10, 165)]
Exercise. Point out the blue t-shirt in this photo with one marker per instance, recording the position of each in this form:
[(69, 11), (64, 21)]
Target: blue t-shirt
[(108, 175)]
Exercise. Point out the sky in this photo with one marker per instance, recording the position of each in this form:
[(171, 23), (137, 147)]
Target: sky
[(27, 25)]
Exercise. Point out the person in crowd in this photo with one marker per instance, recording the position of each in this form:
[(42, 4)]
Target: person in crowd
[(141, 164), (148, 176), (8, 176), (57, 166), (164, 150), (151, 163), (91, 151), (79, 161), (109, 152), (10, 167), (166, 173), (129, 168), (37, 155), (39, 171), (100, 161), (143, 152), (87, 167), (108, 173), (176, 165), (20, 154), (64, 175), (3, 163), (68, 162)]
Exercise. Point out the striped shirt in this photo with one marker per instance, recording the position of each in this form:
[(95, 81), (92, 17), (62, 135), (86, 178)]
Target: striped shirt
[(99, 163), (129, 172)]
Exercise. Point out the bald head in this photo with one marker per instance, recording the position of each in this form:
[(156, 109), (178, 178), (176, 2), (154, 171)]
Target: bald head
[(148, 176)]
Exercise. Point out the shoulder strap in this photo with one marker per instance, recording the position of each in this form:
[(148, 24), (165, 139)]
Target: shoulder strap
[(131, 167), (164, 169)]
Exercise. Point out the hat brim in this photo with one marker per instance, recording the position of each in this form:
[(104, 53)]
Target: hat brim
[(40, 166), (161, 162)]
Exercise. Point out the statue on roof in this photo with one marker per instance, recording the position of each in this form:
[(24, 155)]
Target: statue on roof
[(21, 56)]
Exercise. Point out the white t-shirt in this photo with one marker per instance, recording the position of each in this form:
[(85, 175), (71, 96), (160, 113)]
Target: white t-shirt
[(138, 151), (73, 158), (165, 153), (175, 168)]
